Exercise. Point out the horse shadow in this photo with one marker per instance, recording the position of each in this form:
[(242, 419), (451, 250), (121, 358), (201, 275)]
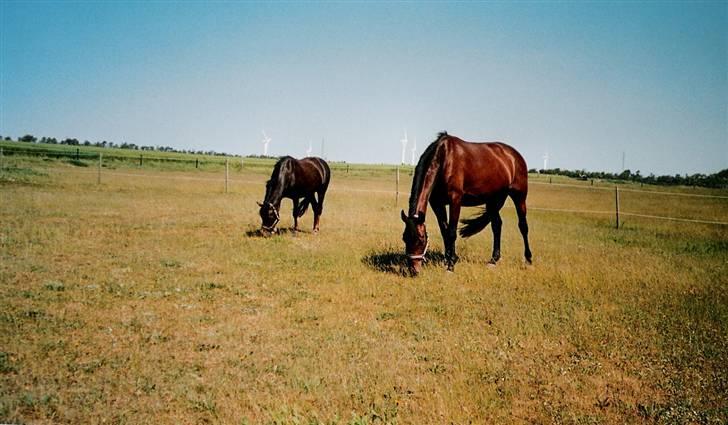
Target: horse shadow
[(258, 233), (395, 262)]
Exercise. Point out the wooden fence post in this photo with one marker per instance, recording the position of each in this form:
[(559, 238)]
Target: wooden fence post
[(78, 154), (140, 159), (197, 162), (396, 196), (2, 159), (226, 175), (98, 174), (616, 203)]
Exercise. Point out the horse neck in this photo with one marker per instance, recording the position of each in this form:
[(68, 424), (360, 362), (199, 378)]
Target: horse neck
[(424, 180), (274, 192)]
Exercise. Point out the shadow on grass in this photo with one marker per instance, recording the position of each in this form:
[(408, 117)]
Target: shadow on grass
[(395, 262), (258, 233)]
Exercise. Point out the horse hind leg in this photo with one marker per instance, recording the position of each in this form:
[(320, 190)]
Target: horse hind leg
[(519, 200), (317, 206), (295, 214), (496, 223)]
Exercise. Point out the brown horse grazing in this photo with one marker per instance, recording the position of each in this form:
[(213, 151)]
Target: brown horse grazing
[(298, 180), (458, 173)]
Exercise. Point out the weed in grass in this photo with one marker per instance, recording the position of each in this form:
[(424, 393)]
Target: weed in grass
[(54, 286)]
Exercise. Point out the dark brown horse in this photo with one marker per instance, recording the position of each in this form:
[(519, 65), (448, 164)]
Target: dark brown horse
[(458, 173), (299, 180)]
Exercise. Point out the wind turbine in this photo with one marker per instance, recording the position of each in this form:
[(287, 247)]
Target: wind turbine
[(414, 150), (266, 140), (546, 160), (404, 145), (310, 148)]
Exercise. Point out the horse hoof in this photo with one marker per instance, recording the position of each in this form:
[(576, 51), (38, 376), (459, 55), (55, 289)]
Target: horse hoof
[(490, 264)]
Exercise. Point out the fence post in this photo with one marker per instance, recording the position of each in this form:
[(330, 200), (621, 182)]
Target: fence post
[(197, 162), (549, 180), (226, 175), (140, 159), (396, 196), (78, 154), (616, 203), (2, 159), (98, 174), (347, 168)]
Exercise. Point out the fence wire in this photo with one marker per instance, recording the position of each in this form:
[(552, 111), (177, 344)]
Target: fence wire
[(352, 189)]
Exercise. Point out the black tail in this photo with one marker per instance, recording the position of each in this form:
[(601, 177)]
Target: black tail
[(302, 207), (474, 225)]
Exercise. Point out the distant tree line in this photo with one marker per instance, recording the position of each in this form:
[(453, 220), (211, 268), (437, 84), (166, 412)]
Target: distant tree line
[(717, 180), (28, 138)]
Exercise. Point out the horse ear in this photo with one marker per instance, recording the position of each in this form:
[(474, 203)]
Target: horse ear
[(403, 215)]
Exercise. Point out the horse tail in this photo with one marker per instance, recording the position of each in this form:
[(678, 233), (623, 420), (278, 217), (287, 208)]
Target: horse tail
[(302, 207), (474, 225)]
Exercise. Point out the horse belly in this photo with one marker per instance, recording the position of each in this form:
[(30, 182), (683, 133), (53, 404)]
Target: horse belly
[(469, 200)]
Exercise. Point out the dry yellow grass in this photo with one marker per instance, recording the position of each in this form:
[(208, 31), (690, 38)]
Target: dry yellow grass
[(145, 300)]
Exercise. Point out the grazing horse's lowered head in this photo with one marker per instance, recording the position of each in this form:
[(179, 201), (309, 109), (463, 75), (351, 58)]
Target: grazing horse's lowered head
[(415, 241), (269, 217)]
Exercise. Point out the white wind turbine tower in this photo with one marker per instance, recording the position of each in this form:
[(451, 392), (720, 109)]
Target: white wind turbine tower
[(546, 161), (414, 150), (310, 148), (404, 145), (266, 141)]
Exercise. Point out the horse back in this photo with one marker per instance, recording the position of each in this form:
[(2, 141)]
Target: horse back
[(312, 173), (483, 168)]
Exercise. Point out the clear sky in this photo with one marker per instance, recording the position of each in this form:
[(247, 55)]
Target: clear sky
[(581, 81)]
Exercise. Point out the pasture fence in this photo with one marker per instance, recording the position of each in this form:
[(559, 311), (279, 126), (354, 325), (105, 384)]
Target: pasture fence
[(103, 159), (618, 212), (616, 203)]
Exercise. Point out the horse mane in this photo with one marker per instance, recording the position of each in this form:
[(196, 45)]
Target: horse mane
[(423, 166), (277, 183)]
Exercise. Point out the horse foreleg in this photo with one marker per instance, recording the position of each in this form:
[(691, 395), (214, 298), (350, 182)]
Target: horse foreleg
[(450, 257), (441, 215)]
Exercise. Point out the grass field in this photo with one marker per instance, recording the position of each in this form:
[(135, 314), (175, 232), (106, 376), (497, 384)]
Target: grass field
[(149, 299)]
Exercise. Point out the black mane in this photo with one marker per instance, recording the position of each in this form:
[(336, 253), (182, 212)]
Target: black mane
[(421, 171), (276, 185)]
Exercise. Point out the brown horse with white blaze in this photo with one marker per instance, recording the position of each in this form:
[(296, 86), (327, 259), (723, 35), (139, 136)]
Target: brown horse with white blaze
[(457, 173)]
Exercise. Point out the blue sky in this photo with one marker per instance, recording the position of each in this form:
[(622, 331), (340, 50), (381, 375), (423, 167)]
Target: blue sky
[(581, 81)]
